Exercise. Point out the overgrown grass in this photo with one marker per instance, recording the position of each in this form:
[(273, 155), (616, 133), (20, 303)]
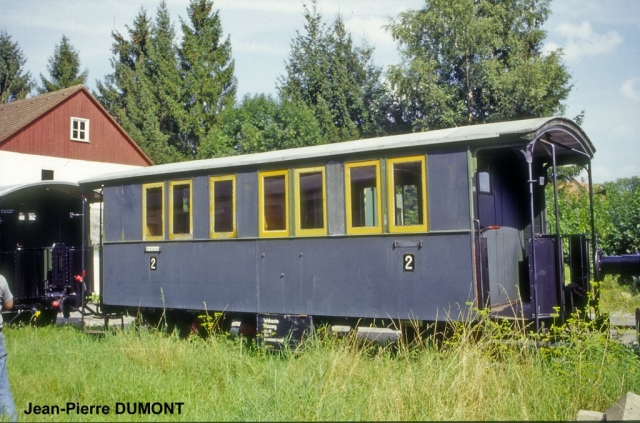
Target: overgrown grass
[(475, 375), (619, 297)]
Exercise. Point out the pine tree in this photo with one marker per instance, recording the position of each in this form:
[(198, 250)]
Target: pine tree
[(15, 83), (164, 75), (138, 92), (475, 61), (336, 79), (208, 81), (64, 69), (170, 99), (115, 92)]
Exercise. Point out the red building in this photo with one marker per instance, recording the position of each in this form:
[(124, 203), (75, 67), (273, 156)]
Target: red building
[(65, 135)]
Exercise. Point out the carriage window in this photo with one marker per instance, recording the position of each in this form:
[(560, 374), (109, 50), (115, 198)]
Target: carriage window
[(484, 177), (362, 182), (274, 203), (310, 195), (153, 204), (180, 209), (407, 194), (484, 182), (223, 205)]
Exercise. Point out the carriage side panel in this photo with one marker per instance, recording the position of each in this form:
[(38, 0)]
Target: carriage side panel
[(335, 199), (247, 197), (348, 277), (200, 207), (364, 277), (122, 216), (448, 185), (183, 275)]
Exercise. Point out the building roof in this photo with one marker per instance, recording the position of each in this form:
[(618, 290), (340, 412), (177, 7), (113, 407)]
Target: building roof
[(17, 115), (561, 131)]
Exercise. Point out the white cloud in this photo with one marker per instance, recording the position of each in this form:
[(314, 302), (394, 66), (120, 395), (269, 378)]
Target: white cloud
[(582, 41), (630, 89)]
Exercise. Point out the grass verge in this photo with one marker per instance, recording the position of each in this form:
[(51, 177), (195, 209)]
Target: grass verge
[(475, 375)]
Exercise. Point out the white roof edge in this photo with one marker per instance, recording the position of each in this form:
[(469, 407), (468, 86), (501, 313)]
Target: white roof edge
[(8, 189), (440, 136)]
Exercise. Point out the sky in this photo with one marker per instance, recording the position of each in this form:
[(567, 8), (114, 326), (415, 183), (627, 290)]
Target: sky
[(600, 41)]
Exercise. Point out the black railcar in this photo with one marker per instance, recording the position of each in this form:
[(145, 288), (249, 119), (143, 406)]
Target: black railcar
[(416, 227), (41, 248)]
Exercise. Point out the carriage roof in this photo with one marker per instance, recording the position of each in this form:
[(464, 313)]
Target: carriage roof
[(560, 131)]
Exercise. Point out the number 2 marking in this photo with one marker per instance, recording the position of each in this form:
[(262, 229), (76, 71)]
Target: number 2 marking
[(409, 263), (153, 263)]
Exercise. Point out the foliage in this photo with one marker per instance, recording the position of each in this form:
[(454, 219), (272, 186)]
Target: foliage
[(208, 81), (261, 123), (335, 79), (619, 297), (131, 92), (64, 69), (616, 212), (623, 212), (15, 83), (170, 98), (166, 81), (574, 210), (616, 215), (469, 61)]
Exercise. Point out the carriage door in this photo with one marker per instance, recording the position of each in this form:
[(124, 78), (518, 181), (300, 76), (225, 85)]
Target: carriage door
[(498, 209)]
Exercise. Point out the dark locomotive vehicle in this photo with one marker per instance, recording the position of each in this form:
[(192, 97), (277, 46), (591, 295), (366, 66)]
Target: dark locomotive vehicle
[(41, 241), (419, 227)]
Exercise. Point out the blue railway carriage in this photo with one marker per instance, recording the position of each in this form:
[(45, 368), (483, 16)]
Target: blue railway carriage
[(419, 227)]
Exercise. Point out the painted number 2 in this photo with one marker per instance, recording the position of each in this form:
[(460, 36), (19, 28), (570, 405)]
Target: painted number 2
[(409, 263), (153, 263)]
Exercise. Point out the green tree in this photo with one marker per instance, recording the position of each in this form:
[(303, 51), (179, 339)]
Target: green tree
[(15, 83), (623, 212), (261, 123), (135, 93), (64, 69), (573, 207), (474, 61), (335, 79), (117, 90), (164, 75), (208, 81)]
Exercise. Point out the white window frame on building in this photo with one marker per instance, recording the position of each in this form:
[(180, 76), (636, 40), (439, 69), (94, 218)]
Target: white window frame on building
[(79, 129)]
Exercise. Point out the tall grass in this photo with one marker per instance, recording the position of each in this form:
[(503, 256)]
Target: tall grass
[(474, 375), (619, 297)]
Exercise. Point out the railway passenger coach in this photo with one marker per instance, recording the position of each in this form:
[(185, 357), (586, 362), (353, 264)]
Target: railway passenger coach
[(409, 227)]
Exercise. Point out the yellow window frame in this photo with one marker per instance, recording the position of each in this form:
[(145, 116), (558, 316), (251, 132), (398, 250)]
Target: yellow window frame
[(362, 230), (298, 221), (212, 193), (262, 230), (171, 206), (391, 198), (145, 231)]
